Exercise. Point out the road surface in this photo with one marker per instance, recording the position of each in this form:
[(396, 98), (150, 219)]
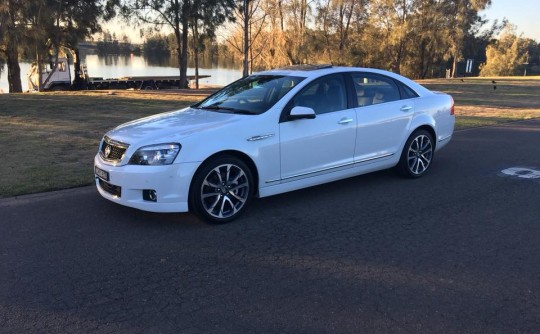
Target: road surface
[(457, 251)]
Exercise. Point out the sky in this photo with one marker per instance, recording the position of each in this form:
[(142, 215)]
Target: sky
[(521, 13)]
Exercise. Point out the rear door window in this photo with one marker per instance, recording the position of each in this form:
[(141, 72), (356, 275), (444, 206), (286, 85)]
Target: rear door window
[(374, 89)]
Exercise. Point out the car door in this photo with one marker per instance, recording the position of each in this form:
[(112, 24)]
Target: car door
[(321, 144), (383, 117)]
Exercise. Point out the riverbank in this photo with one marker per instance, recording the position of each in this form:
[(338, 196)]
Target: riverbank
[(117, 66)]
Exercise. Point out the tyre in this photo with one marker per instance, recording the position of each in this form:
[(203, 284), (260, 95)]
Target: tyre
[(417, 155), (221, 190)]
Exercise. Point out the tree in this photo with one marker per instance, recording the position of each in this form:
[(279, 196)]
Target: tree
[(56, 26), (462, 14), (160, 13), (46, 26), (296, 19), (507, 56), (174, 14), (430, 31), (476, 43), (394, 25), (156, 45), (11, 34), (338, 20), (533, 59), (249, 19), (205, 17)]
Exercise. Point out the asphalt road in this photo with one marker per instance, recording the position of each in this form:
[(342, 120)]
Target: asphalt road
[(457, 251)]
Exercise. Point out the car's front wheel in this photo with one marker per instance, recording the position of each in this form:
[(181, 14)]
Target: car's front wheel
[(417, 154), (221, 190)]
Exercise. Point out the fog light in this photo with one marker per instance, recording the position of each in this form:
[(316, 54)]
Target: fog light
[(149, 195)]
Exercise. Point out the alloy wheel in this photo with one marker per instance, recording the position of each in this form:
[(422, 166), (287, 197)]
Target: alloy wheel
[(224, 191), (419, 154)]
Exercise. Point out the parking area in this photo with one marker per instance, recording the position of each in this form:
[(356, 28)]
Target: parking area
[(455, 251)]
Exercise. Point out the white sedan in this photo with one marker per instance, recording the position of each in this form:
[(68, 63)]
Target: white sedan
[(270, 133)]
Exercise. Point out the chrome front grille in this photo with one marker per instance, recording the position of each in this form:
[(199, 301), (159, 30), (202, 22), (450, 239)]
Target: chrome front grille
[(112, 150)]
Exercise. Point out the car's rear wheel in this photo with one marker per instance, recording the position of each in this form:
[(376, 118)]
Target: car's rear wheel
[(221, 190), (417, 155)]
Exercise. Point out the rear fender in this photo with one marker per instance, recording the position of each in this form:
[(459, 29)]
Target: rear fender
[(421, 120)]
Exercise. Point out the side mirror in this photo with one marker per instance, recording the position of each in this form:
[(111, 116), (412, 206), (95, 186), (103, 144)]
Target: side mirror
[(301, 113)]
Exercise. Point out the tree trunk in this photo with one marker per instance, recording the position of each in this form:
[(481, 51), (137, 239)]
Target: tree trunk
[(178, 36), (421, 60), (281, 20), (56, 46), (245, 72), (454, 67), (196, 69), (179, 55), (196, 52), (40, 70), (14, 70), (79, 82), (184, 53)]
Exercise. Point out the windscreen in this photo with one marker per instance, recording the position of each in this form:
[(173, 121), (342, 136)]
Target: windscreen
[(251, 95)]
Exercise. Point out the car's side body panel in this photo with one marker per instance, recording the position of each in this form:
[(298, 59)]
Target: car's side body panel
[(381, 129), (434, 111), (312, 145), (324, 177), (257, 137)]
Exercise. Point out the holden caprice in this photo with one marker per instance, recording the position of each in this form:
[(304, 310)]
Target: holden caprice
[(270, 133)]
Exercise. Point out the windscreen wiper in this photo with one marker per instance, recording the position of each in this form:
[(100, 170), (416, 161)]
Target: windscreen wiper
[(233, 110)]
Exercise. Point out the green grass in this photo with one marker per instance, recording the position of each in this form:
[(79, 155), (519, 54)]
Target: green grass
[(480, 102), (504, 93), (478, 121), (48, 141)]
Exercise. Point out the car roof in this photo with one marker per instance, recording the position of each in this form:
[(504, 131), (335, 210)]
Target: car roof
[(315, 71)]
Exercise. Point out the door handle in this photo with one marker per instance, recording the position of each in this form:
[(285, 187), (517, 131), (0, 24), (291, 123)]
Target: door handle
[(406, 108), (344, 121)]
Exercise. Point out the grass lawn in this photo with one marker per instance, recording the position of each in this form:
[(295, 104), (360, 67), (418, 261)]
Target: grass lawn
[(480, 102), (48, 140)]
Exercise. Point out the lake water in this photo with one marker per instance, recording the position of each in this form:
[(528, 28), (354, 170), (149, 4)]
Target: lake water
[(118, 66)]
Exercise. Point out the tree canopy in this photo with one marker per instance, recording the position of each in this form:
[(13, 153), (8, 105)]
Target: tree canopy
[(178, 15), (42, 27), (418, 38), (507, 56)]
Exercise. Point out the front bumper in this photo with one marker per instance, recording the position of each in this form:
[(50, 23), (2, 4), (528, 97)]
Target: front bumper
[(127, 183)]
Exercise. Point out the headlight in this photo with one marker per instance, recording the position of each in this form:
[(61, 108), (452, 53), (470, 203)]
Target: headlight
[(155, 155)]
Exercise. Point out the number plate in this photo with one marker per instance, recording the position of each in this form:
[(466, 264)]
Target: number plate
[(101, 173)]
